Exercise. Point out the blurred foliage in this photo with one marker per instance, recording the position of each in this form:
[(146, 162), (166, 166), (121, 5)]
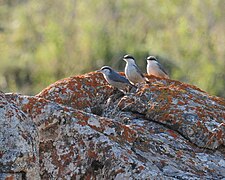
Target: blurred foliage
[(44, 41)]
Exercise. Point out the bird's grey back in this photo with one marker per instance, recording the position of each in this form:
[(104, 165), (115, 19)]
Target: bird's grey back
[(161, 68), (117, 77), (138, 70)]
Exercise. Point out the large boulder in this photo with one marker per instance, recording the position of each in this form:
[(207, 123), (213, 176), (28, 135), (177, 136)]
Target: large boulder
[(82, 128)]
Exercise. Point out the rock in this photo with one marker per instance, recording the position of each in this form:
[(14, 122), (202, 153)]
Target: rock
[(183, 108), (82, 128), (19, 142)]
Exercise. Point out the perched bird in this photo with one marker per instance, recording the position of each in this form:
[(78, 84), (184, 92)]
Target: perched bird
[(132, 71), (155, 68), (115, 79)]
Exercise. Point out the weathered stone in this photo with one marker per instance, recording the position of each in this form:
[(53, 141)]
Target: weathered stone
[(184, 108), (81, 128), (19, 142), (12, 176)]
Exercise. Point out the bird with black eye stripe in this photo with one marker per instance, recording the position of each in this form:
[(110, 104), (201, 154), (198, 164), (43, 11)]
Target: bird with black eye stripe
[(115, 79), (132, 71), (155, 68)]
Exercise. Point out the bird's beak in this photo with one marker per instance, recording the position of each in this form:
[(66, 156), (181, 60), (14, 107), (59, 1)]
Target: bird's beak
[(98, 71)]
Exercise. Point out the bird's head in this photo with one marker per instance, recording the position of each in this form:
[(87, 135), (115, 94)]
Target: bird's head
[(151, 58), (128, 58), (105, 70)]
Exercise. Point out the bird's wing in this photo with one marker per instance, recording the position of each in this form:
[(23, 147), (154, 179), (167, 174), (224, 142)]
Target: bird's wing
[(138, 70), (118, 78), (161, 68)]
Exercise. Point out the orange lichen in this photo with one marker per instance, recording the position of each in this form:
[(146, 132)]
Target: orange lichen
[(179, 153), (181, 103), (220, 134), (141, 168), (9, 177), (81, 116), (83, 123), (92, 154), (125, 158), (128, 133), (172, 133), (119, 171), (199, 124), (129, 151)]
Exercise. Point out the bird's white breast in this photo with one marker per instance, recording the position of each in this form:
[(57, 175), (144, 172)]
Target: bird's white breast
[(130, 70), (132, 74), (154, 69)]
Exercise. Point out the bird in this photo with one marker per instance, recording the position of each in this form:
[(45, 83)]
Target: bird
[(155, 68), (132, 71), (115, 79)]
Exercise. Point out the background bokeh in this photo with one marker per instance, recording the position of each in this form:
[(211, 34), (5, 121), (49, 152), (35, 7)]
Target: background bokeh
[(47, 40)]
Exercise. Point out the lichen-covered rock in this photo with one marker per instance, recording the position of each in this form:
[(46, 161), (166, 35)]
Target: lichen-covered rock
[(186, 109), (19, 143), (85, 92), (82, 128)]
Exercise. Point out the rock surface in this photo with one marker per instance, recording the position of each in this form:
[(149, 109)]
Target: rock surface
[(82, 128)]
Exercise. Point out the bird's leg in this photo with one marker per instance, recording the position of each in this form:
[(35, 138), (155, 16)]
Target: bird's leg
[(126, 91), (138, 86)]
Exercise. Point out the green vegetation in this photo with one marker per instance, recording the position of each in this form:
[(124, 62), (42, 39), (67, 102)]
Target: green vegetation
[(44, 41)]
